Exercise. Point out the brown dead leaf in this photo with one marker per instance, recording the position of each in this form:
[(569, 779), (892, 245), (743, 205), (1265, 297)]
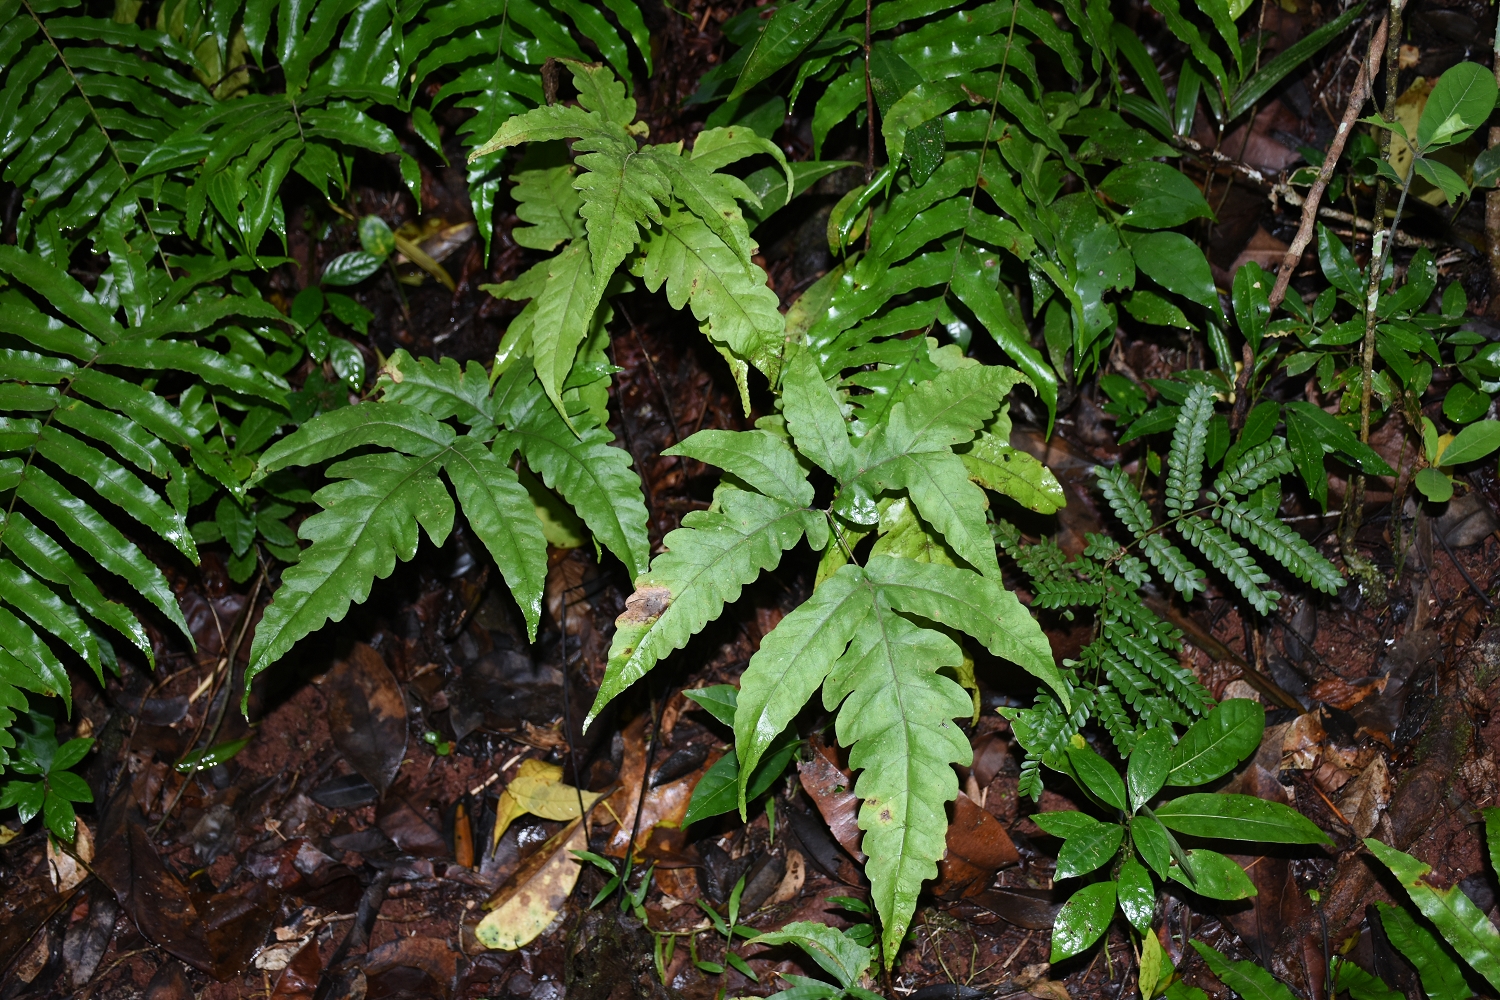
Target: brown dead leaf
[(63, 865), (1342, 694), (978, 846), (1301, 742), (532, 897), (791, 883), (1366, 797), (366, 715), (832, 791), (664, 805), (299, 980)]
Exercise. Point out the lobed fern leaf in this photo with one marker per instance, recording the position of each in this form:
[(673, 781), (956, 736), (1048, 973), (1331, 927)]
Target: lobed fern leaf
[(1125, 500), (1255, 468), (1185, 458), (1281, 542), (1233, 560)]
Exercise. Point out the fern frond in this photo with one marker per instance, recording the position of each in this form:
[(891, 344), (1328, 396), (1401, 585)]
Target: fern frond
[(1231, 559), (1175, 567), (1281, 542), (1124, 606), (1255, 468), (707, 562), (1125, 500), (369, 521), (1115, 719), (1173, 677), (1067, 593), (1185, 457)]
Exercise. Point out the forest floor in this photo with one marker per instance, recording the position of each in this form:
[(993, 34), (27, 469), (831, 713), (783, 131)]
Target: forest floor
[(343, 853)]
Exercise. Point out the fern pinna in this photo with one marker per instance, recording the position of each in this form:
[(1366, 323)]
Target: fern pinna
[(107, 419), (1129, 677)]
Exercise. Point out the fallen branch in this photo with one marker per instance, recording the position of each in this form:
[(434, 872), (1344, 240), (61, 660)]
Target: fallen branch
[(1357, 97)]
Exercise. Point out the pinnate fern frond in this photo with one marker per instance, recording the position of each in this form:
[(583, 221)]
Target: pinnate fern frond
[(1185, 457), (1256, 467), (1174, 678), (1124, 499), (880, 669), (1115, 719), (1281, 542), (707, 562), (1231, 559)]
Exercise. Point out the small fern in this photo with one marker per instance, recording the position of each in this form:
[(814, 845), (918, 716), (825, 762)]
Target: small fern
[(671, 213), (1131, 668)]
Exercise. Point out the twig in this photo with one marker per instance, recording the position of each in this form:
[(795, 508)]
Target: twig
[(1357, 98)]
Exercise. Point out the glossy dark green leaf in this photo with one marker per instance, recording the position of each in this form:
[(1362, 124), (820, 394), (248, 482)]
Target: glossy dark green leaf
[(789, 32), (1175, 263), (1214, 744), (1214, 876), (1461, 923), (718, 700), (1239, 817), (1155, 195), (1476, 441), (1153, 842), (350, 268), (1149, 763), (1137, 894), (1338, 263), (1277, 69), (1097, 774), (1082, 919), (1089, 849), (1460, 102)]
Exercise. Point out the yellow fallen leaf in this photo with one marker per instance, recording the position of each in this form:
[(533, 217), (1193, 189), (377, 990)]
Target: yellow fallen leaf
[(531, 899), (7, 835), (538, 789)]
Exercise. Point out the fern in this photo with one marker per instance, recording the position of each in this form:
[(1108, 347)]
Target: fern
[(1131, 666), (369, 519), (674, 216)]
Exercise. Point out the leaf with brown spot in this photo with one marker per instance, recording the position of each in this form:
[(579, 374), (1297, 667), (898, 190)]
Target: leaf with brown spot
[(531, 899)]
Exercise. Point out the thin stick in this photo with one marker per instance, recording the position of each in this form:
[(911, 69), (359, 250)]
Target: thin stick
[(1357, 97)]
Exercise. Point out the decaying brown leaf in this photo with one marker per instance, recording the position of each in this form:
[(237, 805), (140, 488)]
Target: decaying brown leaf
[(367, 715), (1366, 797), (832, 790), (978, 846), (532, 897)]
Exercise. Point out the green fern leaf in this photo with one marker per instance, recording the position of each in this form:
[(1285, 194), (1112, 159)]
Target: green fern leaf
[(546, 199), (714, 198), (49, 612), (1185, 458), (995, 465), (1281, 542), (1176, 679), (707, 562), (600, 92), (1067, 593), (53, 563), (1125, 606), (390, 425), (439, 388), (894, 708), (83, 526), (1256, 467), (28, 662), (1125, 500), (368, 521), (1233, 560), (1116, 720), (759, 458), (503, 515), (731, 296), (558, 121), (814, 418), (564, 311), (1174, 567), (118, 485), (940, 488), (592, 475)]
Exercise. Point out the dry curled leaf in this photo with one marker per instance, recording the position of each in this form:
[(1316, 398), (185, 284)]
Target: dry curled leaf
[(531, 899)]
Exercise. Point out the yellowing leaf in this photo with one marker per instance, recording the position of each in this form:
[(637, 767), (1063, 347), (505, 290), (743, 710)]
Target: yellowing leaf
[(530, 900), (538, 789)]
